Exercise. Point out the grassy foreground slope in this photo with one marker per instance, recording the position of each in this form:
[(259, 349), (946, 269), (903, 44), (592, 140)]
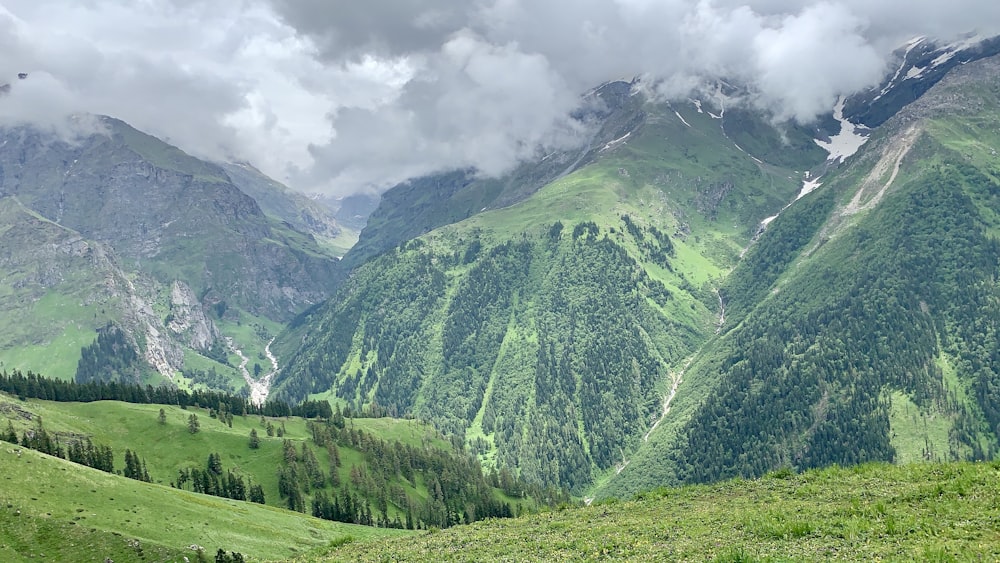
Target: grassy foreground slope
[(73, 513), (927, 512)]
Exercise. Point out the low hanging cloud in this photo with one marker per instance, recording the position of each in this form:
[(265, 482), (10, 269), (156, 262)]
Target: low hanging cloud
[(343, 97)]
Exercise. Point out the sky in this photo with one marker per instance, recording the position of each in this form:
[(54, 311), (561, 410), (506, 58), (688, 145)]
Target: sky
[(341, 97)]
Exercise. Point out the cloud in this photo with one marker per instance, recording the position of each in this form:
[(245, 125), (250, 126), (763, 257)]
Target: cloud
[(472, 105), (349, 96), (201, 75)]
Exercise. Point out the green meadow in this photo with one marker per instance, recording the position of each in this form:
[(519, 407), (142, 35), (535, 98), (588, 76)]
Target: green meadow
[(876, 512)]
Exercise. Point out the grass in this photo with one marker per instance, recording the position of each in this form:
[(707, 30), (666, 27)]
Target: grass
[(59, 355), (339, 245), (941, 512), (170, 447), (918, 434), (72, 513)]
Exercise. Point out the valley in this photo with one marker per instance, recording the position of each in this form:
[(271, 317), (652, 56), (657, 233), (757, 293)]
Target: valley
[(698, 331)]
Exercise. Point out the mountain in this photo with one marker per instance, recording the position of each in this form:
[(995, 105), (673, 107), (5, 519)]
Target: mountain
[(334, 231), (422, 204), (117, 228), (353, 210), (544, 331), (861, 326), (921, 64), (698, 293)]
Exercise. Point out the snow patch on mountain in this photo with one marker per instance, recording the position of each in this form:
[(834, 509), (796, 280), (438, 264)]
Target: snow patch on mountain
[(915, 72), (912, 44), (847, 141), (684, 121), (616, 142), (808, 186)]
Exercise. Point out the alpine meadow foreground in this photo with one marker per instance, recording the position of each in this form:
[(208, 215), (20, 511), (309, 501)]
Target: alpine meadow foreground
[(873, 512)]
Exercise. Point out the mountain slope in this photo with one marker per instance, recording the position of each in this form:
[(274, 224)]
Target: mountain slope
[(380, 472), (545, 332), (178, 250), (864, 319), (612, 331), (313, 216), (54, 292), (69, 512)]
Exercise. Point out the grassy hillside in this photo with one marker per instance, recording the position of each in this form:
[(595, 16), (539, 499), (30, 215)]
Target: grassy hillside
[(73, 513), (53, 291), (377, 471), (931, 512), (170, 446)]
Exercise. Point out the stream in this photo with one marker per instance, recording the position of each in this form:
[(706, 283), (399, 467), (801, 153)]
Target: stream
[(260, 388)]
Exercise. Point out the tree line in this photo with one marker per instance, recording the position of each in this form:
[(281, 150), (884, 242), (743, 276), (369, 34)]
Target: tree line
[(78, 449), (32, 385)]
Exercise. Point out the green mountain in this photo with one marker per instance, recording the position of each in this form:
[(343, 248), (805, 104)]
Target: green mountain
[(861, 326), (118, 228), (667, 310), (545, 332)]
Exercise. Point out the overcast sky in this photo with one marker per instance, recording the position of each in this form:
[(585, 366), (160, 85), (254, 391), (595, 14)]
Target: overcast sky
[(341, 96)]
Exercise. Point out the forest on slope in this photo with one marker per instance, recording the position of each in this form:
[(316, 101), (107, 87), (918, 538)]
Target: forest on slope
[(544, 334), (547, 334)]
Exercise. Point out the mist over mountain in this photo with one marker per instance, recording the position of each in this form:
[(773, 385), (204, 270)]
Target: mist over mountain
[(345, 99)]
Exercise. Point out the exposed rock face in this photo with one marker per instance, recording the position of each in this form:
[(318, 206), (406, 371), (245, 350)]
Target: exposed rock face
[(167, 214), (299, 211), (118, 227), (187, 318)]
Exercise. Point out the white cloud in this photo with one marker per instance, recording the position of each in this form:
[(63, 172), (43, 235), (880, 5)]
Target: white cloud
[(352, 95)]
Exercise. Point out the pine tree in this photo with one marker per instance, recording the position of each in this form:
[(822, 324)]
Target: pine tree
[(254, 439), (130, 465), (193, 424), (256, 494), (162, 418), (215, 463), (10, 435)]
